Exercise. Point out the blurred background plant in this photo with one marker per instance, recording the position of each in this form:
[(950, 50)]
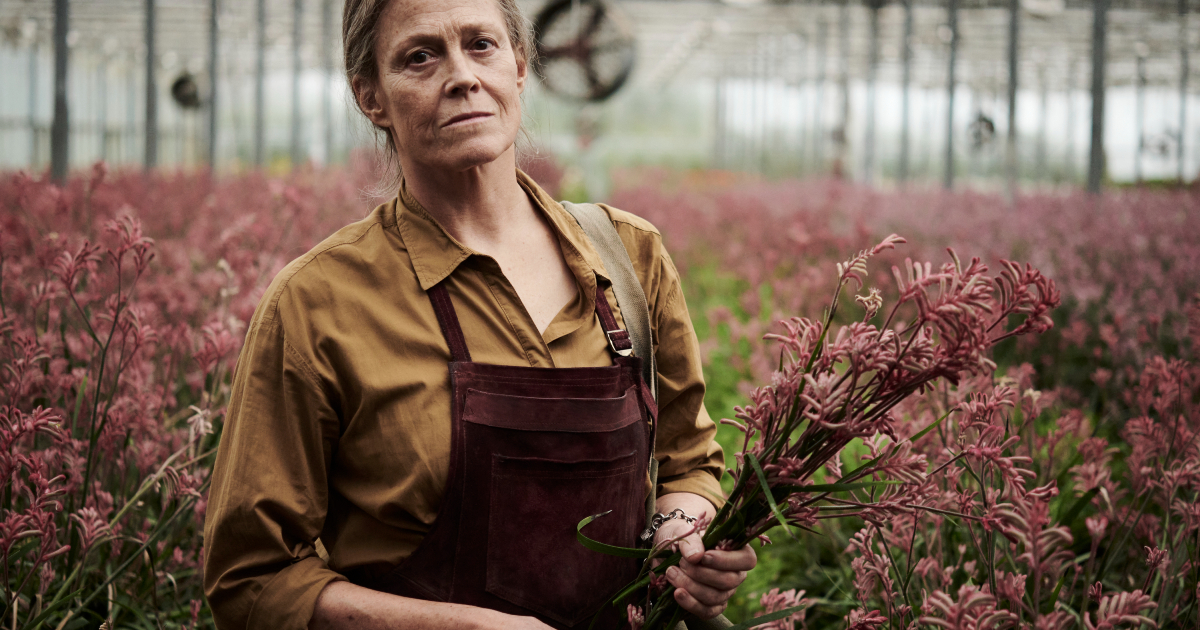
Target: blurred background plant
[(117, 349)]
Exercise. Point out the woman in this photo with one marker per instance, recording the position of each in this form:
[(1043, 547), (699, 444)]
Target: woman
[(431, 391)]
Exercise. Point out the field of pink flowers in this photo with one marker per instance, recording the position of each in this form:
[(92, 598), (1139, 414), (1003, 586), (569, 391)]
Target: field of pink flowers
[(1068, 481)]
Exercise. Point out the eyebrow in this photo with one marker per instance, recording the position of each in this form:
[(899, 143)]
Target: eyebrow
[(427, 37)]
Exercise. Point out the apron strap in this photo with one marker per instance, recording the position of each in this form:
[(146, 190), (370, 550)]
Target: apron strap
[(448, 320), (618, 338)]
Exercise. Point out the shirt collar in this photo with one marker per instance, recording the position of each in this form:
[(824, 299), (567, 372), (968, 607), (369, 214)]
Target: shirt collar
[(435, 254)]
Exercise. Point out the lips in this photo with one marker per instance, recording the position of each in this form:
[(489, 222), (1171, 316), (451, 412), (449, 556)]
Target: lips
[(465, 118)]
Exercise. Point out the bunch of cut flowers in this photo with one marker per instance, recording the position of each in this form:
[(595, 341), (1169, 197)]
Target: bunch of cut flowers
[(839, 384)]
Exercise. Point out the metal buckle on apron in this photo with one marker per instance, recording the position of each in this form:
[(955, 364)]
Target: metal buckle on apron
[(619, 342)]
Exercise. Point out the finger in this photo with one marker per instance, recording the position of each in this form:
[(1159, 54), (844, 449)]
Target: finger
[(703, 593), (742, 559), (715, 578), (692, 605), (692, 548)]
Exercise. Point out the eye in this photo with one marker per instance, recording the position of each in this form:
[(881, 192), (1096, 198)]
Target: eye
[(418, 58), (482, 45)]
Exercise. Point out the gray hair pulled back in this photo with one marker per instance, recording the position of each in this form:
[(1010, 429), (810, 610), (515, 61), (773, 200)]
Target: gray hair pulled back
[(360, 30)]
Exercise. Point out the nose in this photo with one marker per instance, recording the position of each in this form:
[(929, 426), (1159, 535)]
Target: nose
[(461, 79)]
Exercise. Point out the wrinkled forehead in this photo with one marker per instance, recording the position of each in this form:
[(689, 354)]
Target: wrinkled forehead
[(405, 19)]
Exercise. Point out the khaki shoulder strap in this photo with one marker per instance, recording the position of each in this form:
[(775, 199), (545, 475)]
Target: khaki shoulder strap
[(631, 298)]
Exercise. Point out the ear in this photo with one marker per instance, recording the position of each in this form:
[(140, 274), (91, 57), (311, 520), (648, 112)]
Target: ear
[(366, 92), (522, 73)]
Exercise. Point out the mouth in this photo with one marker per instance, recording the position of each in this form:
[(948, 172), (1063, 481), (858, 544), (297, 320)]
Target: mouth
[(466, 118)]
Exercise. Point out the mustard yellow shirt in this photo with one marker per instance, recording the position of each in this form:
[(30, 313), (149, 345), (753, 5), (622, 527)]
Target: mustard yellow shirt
[(338, 428)]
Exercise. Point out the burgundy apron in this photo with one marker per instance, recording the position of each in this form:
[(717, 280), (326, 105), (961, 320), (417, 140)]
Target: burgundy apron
[(534, 451)]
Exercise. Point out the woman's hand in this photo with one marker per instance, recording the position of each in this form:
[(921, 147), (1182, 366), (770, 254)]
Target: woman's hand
[(705, 579)]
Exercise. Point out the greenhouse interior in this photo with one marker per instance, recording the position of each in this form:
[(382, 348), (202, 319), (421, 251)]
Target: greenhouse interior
[(879, 94), (916, 345)]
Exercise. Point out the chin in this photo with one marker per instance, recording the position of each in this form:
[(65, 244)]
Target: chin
[(475, 153)]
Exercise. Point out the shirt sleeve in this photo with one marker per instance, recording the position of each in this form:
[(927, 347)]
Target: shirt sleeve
[(269, 492), (690, 460)]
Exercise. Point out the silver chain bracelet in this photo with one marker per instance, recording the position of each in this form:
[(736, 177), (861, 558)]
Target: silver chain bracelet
[(658, 519)]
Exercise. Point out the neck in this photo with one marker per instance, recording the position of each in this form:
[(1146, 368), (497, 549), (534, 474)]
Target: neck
[(476, 206)]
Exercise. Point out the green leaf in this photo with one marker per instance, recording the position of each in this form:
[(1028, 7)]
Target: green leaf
[(630, 590), (920, 434), (863, 467), (1073, 513), (612, 550), (758, 621), (762, 479), (53, 607), (1048, 606)]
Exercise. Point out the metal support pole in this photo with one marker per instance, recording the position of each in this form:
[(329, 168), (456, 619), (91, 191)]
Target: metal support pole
[(297, 33), (872, 77), (1043, 126), (102, 115), (1010, 154), (213, 37), (150, 157), (1183, 84), (1071, 72), (60, 129), (762, 106), (818, 124), (948, 176), (327, 65), (929, 127), (1140, 117), (802, 115), (843, 131), (719, 136), (906, 54), (35, 146), (260, 70), (1096, 158)]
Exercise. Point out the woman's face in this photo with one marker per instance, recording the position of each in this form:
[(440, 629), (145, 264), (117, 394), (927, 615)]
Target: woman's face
[(449, 82)]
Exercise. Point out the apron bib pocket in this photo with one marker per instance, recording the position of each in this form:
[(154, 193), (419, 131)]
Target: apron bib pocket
[(534, 559)]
